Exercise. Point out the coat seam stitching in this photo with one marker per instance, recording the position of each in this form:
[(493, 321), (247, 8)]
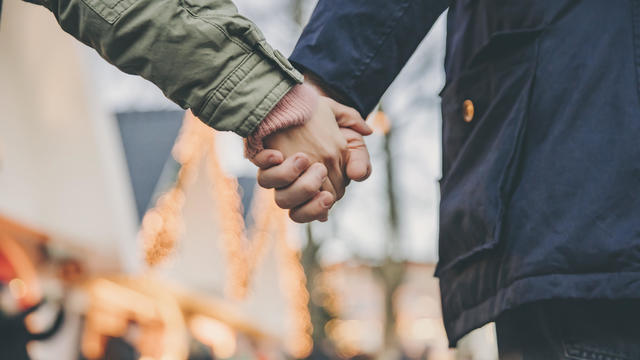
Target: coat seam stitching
[(387, 32)]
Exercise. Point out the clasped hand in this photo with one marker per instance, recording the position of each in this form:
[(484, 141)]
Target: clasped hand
[(309, 166)]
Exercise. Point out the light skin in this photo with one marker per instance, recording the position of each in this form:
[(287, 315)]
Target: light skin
[(309, 166)]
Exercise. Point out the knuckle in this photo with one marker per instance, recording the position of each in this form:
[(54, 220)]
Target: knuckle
[(282, 201), (295, 216), (342, 150), (305, 215), (309, 188), (288, 174), (263, 182), (322, 171), (337, 152), (331, 157), (289, 177)]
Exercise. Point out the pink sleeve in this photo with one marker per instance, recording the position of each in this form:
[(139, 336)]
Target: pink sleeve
[(294, 109)]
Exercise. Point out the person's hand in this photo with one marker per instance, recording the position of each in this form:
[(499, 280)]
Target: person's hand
[(310, 165)]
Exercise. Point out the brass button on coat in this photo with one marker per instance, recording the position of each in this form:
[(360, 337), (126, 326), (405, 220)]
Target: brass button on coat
[(467, 110)]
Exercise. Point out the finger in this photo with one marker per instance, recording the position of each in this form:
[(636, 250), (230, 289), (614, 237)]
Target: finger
[(328, 186), (350, 118), (316, 209), (303, 189), (337, 181), (285, 174), (267, 158), (358, 161), (358, 164)]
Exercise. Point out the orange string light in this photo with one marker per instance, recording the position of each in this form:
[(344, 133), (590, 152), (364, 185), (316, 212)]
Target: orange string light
[(161, 227), (162, 224)]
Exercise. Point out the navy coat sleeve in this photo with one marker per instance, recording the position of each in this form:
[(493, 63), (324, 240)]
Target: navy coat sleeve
[(357, 47)]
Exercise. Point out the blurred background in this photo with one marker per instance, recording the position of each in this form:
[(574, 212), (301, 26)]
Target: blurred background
[(129, 230)]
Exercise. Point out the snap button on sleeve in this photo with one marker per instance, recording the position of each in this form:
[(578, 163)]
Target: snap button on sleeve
[(283, 60), (467, 110)]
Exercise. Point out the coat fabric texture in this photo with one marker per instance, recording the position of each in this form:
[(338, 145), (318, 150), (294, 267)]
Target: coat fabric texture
[(540, 189), (202, 54)]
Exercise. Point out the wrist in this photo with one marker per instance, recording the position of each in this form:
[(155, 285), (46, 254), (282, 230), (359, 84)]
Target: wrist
[(294, 109), (323, 89)]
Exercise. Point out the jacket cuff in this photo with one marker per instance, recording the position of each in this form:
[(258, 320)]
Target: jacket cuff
[(248, 94), (293, 109)]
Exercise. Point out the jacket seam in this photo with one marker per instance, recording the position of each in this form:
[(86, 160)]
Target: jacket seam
[(110, 14), (505, 185), (239, 79), (228, 82), (115, 4), (217, 26), (271, 99), (124, 5), (231, 82), (506, 287)]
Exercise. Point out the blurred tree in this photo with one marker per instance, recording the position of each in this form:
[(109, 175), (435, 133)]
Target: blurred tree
[(310, 262), (319, 314), (391, 271), (297, 10)]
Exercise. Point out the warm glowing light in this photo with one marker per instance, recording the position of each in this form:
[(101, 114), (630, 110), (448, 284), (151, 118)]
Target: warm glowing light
[(114, 305), (152, 222), (92, 344), (25, 286), (214, 333), (347, 335), (119, 297), (18, 288), (381, 122), (161, 225), (195, 150)]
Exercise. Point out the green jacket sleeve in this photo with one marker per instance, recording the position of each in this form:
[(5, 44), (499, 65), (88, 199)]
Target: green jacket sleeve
[(201, 53)]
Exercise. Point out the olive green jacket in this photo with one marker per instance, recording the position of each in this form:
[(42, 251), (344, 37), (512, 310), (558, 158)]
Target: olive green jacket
[(201, 53)]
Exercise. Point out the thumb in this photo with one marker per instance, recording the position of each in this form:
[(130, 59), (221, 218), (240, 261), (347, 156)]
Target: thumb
[(267, 158), (358, 163), (348, 117)]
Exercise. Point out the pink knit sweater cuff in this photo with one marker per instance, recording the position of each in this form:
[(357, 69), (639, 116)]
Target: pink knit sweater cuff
[(295, 108)]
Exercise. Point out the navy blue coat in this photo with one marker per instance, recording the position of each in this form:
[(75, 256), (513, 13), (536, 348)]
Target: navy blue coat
[(540, 193)]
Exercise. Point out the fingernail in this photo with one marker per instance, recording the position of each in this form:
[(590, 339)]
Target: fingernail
[(301, 163), (326, 202)]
